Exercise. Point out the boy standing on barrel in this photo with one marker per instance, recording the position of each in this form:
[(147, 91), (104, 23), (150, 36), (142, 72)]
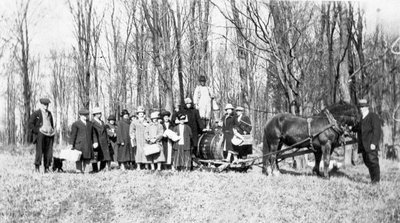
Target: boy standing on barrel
[(41, 124)]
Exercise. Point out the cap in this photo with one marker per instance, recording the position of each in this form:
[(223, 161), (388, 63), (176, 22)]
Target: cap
[(188, 101), (83, 111), (96, 110), (229, 106), (363, 103), (112, 117), (239, 108), (165, 113), (124, 112), (140, 109), (202, 78), (182, 117), (44, 101), (154, 115)]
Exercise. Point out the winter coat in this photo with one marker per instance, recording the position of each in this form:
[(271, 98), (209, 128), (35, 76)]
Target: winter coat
[(100, 131), (369, 132), (125, 150), (195, 124), (136, 131), (229, 123), (82, 138)]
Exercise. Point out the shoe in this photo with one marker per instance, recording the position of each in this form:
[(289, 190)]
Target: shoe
[(37, 170), (46, 170)]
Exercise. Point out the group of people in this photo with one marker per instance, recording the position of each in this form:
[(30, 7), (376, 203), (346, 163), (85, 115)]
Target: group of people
[(161, 140)]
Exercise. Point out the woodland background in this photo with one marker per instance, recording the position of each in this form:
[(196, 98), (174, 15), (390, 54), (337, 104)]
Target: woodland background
[(268, 56)]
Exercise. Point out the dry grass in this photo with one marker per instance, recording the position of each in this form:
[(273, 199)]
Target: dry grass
[(141, 196)]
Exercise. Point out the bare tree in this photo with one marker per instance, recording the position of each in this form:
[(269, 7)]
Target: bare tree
[(22, 54)]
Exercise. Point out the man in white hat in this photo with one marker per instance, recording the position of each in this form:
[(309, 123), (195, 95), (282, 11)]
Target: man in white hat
[(42, 127), (202, 98), (369, 133)]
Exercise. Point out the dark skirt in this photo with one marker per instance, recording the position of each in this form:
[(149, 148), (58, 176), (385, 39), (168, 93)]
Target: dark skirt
[(243, 150)]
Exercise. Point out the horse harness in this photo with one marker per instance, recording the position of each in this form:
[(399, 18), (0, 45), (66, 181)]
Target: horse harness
[(332, 124)]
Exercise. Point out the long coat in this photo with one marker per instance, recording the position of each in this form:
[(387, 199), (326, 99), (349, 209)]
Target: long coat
[(167, 143), (36, 122), (229, 123), (100, 131), (195, 124), (82, 138), (125, 150), (369, 132), (155, 131), (112, 139), (136, 131)]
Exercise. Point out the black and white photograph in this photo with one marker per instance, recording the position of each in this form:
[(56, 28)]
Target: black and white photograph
[(199, 111)]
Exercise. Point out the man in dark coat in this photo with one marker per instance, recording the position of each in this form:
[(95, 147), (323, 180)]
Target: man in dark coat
[(243, 128), (126, 154), (82, 139), (194, 122), (42, 127), (369, 133), (100, 131), (112, 136)]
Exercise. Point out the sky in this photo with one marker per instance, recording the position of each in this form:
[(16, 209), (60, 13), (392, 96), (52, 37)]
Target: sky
[(52, 24)]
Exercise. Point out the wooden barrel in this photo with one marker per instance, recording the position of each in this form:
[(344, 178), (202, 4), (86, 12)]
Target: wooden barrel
[(210, 146)]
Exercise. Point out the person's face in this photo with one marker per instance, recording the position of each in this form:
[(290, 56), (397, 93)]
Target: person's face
[(189, 105), (154, 120), (239, 112), (202, 83), (166, 118), (126, 116), (140, 114), (364, 110), (84, 117), (182, 121), (112, 122), (229, 111), (98, 115), (45, 106)]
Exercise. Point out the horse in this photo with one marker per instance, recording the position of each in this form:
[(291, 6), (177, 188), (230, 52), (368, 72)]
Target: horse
[(323, 130)]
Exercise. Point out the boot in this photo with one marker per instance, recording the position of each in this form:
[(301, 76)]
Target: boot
[(37, 170), (46, 170)]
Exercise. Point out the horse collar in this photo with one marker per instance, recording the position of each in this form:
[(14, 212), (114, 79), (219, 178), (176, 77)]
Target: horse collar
[(333, 122)]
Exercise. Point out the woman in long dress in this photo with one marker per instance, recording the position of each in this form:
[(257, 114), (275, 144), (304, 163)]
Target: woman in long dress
[(125, 150), (100, 131)]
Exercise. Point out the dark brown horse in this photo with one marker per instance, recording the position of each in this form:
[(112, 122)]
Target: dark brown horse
[(325, 129)]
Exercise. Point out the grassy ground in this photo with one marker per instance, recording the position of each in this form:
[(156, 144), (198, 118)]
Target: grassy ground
[(142, 196)]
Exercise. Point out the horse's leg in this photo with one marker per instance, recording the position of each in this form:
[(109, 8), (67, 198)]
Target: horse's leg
[(318, 156), (326, 152), (274, 161)]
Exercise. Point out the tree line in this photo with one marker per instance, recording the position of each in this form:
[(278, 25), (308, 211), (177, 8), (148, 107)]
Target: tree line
[(267, 56)]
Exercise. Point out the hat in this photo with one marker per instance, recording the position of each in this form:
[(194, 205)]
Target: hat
[(154, 115), (229, 106), (44, 101), (124, 112), (83, 111), (202, 78), (96, 110), (165, 113), (112, 117), (182, 117), (140, 109), (363, 103), (188, 101), (239, 108)]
